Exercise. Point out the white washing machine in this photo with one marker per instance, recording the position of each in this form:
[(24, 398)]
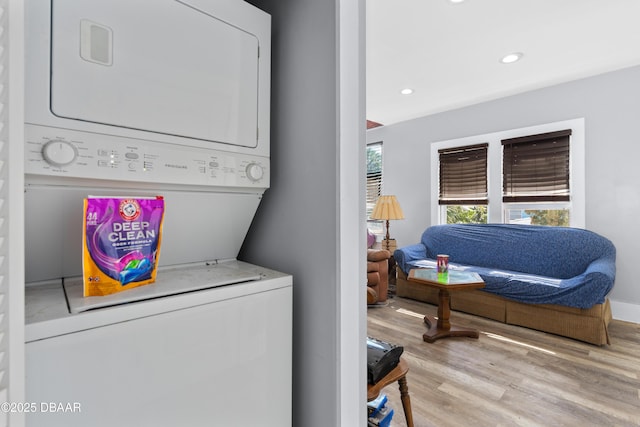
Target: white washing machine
[(212, 356)]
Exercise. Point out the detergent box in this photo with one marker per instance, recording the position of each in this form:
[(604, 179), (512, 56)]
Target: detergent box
[(121, 243)]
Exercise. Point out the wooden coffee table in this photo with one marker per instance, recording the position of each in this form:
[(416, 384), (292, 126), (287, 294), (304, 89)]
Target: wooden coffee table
[(456, 281)]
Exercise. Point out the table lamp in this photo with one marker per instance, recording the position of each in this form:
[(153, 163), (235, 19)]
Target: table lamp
[(386, 208)]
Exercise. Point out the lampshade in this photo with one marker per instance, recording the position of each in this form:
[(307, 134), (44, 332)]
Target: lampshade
[(387, 207)]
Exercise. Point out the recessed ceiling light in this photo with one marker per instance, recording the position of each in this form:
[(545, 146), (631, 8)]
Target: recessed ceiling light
[(511, 58), (406, 91), (456, 1)]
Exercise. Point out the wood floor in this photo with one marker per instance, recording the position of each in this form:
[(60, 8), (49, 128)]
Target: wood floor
[(510, 376)]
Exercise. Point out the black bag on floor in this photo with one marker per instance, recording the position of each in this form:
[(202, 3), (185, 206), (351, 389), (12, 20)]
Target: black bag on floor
[(382, 357)]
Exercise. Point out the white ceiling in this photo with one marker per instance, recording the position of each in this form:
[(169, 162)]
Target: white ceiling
[(449, 54)]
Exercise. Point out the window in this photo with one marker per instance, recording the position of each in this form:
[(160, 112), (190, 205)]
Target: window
[(533, 175), (536, 169), (463, 183), (374, 182)]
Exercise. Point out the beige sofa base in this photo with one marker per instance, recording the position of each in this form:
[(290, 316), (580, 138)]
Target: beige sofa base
[(589, 325)]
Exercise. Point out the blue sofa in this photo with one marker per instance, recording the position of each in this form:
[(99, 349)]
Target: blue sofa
[(554, 279)]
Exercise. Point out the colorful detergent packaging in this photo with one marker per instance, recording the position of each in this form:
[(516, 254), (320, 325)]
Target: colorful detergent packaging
[(121, 243)]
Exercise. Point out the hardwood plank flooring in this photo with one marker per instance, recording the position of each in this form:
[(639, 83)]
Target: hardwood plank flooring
[(510, 376)]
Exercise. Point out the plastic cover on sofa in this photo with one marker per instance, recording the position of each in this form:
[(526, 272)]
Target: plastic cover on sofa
[(526, 263)]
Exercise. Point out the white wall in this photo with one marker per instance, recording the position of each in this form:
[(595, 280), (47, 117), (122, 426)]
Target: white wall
[(311, 220), (610, 105)]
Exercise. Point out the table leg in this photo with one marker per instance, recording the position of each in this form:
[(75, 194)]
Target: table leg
[(444, 310), (406, 400), (442, 327)]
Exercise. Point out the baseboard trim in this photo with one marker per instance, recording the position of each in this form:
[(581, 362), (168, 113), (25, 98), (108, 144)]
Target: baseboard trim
[(625, 311)]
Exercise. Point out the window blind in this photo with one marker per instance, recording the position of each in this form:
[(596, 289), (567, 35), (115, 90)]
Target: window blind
[(374, 175), (463, 175), (535, 168)]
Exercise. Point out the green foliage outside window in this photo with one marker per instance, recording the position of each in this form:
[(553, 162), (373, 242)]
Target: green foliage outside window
[(478, 215), (466, 214), (557, 217), (374, 160)]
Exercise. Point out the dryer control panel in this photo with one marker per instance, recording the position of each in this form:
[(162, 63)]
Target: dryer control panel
[(67, 153)]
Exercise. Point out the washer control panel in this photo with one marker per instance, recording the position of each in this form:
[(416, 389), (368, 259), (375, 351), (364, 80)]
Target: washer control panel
[(62, 152)]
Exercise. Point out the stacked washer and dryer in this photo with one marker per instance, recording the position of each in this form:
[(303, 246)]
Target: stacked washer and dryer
[(137, 99)]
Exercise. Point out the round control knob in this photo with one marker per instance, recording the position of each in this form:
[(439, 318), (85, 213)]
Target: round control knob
[(254, 172), (59, 153)]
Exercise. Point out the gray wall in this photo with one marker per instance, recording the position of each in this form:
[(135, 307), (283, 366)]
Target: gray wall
[(610, 105), (301, 225)]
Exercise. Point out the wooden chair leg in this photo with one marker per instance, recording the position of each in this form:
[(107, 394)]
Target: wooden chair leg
[(406, 400)]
